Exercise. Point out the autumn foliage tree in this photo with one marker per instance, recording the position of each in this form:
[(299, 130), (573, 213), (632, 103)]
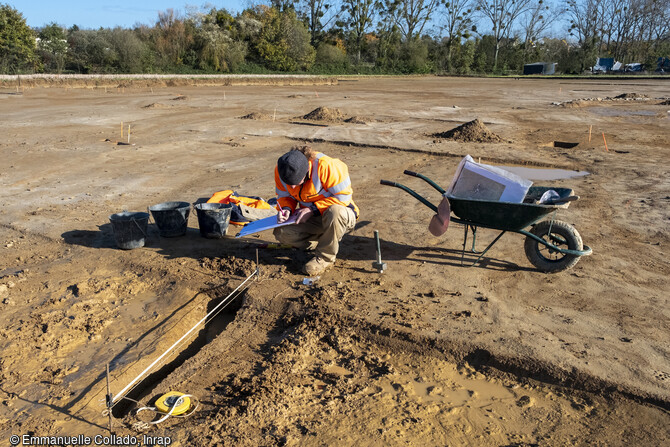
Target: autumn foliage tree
[(173, 39)]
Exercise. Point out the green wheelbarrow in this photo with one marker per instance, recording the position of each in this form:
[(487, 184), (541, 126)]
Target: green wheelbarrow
[(550, 245)]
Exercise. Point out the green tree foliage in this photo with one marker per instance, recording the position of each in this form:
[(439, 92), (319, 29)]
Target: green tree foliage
[(483, 57), (514, 56), (132, 55), (331, 57), (17, 42), (80, 53), (91, 52), (463, 57), (413, 57), (284, 42), (53, 47), (212, 44), (217, 41)]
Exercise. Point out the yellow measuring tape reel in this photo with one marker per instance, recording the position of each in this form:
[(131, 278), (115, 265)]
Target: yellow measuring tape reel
[(169, 404), (173, 402)]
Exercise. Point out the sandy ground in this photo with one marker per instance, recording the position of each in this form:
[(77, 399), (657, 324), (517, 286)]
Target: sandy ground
[(427, 353)]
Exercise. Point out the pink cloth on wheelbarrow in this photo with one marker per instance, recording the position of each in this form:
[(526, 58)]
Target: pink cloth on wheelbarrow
[(440, 221)]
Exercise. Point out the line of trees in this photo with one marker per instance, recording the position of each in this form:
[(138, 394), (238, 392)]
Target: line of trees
[(350, 36)]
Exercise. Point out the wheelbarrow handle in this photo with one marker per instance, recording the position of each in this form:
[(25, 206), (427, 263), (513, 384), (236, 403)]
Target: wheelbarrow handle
[(425, 179), (388, 183)]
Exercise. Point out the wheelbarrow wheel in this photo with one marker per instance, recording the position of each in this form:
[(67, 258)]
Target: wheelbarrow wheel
[(546, 259)]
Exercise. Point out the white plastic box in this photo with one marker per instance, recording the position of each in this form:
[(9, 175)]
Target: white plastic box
[(485, 182)]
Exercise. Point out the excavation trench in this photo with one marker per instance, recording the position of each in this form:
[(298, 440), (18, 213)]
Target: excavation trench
[(561, 144), (212, 328)]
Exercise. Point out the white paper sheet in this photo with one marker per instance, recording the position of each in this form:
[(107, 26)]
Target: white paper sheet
[(263, 224), (480, 181)]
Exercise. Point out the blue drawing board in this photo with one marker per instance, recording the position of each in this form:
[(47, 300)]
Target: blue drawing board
[(263, 224)]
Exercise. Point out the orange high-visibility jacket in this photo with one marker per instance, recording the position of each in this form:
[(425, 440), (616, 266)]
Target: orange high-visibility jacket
[(327, 184)]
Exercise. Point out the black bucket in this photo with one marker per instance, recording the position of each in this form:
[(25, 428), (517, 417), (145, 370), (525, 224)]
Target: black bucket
[(213, 219), (171, 218), (130, 229)]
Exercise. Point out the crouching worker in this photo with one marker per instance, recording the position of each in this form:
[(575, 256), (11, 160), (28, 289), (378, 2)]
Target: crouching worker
[(316, 190)]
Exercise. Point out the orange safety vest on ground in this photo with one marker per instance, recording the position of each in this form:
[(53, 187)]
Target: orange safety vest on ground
[(327, 183), (238, 215)]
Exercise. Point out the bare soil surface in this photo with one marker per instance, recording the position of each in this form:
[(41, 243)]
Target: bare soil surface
[(429, 352)]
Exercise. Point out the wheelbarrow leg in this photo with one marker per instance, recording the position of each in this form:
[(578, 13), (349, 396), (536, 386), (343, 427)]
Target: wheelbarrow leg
[(474, 240), (465, 239)]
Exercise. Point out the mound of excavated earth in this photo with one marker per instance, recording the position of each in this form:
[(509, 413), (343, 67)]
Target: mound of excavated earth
[(324, 114), (474, 131)]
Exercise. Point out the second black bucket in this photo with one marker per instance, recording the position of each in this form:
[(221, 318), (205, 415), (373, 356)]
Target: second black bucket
[(213, 219), (171, 218), (130, 229)]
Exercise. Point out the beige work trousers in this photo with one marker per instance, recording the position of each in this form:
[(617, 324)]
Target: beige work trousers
[(325, 231)]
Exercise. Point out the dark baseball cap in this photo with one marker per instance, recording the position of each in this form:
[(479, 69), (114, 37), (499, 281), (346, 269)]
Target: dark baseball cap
[(292, 167)]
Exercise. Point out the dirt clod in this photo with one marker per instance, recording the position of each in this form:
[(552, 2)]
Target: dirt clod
[(256, 116), (631, 96), (155, 105), (230, 266), (358, 120)]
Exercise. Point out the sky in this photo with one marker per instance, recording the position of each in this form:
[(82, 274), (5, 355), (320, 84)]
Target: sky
[(94, 14)]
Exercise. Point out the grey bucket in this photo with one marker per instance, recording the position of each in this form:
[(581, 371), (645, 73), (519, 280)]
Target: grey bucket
[(213, 219), (171, 218), (130, 229)]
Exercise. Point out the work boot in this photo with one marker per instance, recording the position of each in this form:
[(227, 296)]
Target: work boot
[(317, 265)]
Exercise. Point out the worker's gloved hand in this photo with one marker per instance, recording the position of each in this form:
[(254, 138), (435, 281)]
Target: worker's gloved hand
[(302, 215), (283, 215)]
